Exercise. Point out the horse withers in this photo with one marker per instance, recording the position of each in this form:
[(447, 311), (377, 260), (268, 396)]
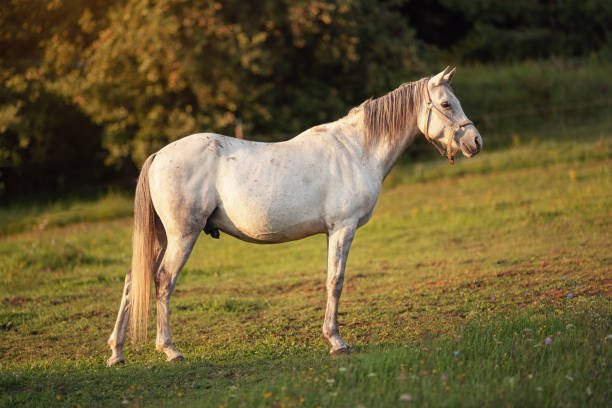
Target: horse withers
[(326, 180)]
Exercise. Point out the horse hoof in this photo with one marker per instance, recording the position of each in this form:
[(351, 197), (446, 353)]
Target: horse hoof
[(113, 361), (339, 351), (176, 358)]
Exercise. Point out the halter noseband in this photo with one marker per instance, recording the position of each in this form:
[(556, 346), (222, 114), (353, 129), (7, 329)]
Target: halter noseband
[(454, 126)]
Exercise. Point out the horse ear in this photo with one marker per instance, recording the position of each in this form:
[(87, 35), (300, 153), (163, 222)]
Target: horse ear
[(437, 79), (449, 76)]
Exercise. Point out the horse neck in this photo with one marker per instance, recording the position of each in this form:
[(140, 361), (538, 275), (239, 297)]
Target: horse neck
[(381, 156), (389, 155)]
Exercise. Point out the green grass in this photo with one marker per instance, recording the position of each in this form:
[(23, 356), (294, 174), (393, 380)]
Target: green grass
[(37, 216), (477, 258), (489, 362)]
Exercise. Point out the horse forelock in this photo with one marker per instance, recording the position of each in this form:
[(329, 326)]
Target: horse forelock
[(387, 118)]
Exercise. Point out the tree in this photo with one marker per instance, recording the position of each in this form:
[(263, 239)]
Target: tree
[(161, 70), (45, 140)]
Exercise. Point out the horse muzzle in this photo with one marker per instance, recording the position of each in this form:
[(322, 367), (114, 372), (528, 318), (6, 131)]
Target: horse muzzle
[(471, 142)]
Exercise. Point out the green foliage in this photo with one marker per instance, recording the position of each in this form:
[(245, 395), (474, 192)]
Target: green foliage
[(161, 70), (525, 29), (88, 89), (46, 142), (114, 82)]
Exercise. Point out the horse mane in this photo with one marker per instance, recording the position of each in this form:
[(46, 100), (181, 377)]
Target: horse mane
[(387, 118)]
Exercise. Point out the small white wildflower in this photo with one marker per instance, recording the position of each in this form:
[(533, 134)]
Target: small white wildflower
[(511, 381), (372, 375), (406, 397)]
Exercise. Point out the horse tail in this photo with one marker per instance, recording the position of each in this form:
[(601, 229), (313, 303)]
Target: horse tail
[(144, 242)]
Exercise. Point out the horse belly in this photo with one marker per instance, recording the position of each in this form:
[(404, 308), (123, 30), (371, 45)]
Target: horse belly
[(268, 211), (262, 227)]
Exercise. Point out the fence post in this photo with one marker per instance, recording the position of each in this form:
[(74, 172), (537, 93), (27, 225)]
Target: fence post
[(238, 130)]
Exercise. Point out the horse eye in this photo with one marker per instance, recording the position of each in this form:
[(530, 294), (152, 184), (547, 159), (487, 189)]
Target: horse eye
[(445, 104)]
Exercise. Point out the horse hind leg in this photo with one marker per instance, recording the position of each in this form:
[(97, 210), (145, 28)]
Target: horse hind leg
[(177, 251), (117, 337)]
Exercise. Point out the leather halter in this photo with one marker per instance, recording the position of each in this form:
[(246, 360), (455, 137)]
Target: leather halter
[(454, 126)]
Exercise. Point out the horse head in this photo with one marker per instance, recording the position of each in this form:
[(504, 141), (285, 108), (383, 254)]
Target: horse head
[(442, 120)]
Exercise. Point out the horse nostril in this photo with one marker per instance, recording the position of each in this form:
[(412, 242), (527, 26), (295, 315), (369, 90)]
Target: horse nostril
[(477, 142)]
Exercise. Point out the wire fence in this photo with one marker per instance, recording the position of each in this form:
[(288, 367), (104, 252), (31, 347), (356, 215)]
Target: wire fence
[(505, 127), (539, 110)]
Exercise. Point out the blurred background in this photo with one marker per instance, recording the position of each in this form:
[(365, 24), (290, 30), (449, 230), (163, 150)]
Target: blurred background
[(90, 88)]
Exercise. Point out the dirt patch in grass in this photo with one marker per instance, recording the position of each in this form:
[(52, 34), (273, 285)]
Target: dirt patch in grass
[(602, 287), (16, 301)]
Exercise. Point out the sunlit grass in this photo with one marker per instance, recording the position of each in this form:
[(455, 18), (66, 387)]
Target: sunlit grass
[(38, 216), (450, 294)]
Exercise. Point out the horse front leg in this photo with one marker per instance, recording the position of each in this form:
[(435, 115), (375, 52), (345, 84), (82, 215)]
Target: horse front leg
[(338, 245), (117, 337)]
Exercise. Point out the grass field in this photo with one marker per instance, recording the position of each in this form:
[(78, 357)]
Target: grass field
[(484, 284)]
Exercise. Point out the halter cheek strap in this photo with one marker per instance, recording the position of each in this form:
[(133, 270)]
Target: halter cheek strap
[(453, 126)]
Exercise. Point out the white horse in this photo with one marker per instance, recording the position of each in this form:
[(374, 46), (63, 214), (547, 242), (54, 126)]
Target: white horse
[(325, 180)]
